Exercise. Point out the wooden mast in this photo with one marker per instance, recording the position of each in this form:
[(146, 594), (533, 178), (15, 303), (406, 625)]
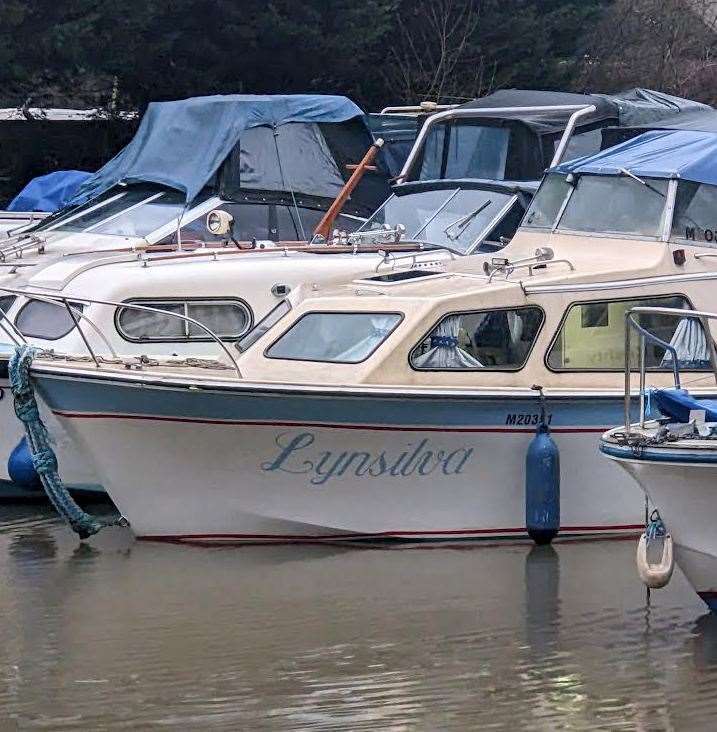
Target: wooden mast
[(326, 224)]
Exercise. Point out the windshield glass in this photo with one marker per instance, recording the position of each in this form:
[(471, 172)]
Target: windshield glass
[(543, 211), (616, 205), (455, 219), (465, 150), (695, 217), (136, 211)]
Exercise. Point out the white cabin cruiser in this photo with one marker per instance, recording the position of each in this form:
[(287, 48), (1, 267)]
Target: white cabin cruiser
[(396, 407)]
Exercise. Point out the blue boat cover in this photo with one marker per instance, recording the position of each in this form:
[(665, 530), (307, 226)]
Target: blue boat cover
[(49, 192), (182, 144), (676, 404), (687, 154)]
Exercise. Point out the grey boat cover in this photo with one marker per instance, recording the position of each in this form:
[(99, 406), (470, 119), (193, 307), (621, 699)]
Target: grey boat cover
[(243, 141), (526, 145), (700, 119), (628, 108)]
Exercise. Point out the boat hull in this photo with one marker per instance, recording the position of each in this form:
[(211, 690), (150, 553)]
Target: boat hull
[(684, 490), (251, 464)]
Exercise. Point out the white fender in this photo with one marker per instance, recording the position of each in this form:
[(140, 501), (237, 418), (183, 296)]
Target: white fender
[(655, 575)]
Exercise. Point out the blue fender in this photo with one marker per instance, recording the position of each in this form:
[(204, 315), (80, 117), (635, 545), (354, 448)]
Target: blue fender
[(542, 487), (20, 467)]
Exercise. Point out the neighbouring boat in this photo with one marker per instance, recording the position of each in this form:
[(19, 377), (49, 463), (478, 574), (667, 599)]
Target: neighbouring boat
[(672, 456), (399, 406)]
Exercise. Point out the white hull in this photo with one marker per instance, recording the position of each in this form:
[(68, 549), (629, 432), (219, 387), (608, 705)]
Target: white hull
[(686, 497), (217, 478)]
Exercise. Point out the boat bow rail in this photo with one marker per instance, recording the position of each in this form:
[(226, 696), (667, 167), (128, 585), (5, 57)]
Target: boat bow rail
[(70, 303), (645, 336)]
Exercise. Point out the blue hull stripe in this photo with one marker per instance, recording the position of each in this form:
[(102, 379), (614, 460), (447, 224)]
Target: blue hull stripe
[(652, 455), (76, 397)]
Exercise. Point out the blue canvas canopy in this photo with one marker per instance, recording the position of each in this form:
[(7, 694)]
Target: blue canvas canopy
[(49, 192), (182, 144), (687, 154)]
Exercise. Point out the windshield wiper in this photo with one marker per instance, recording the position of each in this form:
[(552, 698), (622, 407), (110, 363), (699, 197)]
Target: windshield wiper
[(464, 221), (629, 174)]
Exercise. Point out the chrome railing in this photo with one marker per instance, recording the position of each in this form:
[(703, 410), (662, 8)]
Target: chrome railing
[(77, 315), (578, 111), (647, 337)]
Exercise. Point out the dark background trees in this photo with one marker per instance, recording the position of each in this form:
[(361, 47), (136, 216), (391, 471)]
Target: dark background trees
[(102, 52)]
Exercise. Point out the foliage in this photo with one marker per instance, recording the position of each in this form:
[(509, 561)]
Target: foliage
[(379, 52), (663, 44)]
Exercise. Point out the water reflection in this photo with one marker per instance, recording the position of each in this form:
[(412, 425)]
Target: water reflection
[(120, 634)]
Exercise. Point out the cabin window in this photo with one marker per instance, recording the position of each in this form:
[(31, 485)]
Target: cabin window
[(334, 337), (228, 319), (695, 217), (488, 339), (543, 211), (46, 320), (620, 205), (592, 337)]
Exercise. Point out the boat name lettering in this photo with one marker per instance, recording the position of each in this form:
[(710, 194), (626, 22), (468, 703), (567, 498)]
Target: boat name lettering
[(525, 419), (298, 455)]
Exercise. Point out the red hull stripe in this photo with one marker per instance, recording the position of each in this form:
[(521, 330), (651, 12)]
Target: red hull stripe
[(327, 425), (384, 534)]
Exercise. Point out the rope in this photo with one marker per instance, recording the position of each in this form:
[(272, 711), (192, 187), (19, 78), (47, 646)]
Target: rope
[(43, 456), (655, 527)]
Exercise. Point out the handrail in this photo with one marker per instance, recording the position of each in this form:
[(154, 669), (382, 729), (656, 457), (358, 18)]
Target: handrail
[(645, 335), (579, 110), (66, 303), (131, 306), (425, 107)]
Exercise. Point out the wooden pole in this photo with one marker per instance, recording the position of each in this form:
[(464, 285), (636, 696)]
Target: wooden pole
[(327, 222)]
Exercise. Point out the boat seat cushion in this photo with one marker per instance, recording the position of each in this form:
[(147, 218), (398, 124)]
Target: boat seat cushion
[(676, 404)]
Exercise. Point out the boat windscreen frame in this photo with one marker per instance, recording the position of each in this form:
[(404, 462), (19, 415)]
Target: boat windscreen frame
[(668, 210), (491, 225), (455, 187), (578, 111)]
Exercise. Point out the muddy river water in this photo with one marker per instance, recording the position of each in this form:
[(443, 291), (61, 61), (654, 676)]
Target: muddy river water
[(118, 634)]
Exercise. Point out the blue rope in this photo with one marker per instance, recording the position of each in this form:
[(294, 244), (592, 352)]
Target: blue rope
[(43, 456)]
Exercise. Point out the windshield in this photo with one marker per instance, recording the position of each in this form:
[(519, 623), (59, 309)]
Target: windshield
[(455, 219), (613, 204), (136, 211), (695, 217), (465, 150), (544, 209)]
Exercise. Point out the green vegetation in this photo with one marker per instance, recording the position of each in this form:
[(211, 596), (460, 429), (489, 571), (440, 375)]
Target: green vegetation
[(121, 55)]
